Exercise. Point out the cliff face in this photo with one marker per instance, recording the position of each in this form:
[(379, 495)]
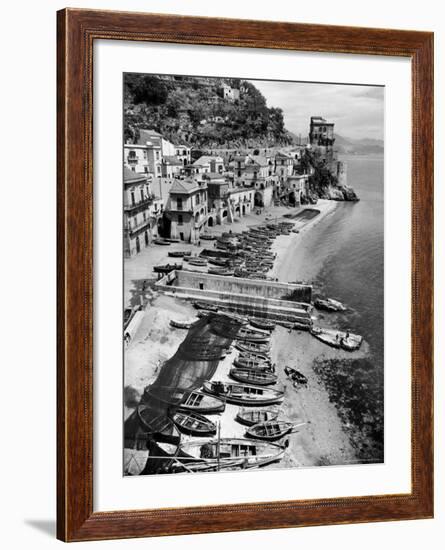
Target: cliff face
[(323, 183), (193, 110)]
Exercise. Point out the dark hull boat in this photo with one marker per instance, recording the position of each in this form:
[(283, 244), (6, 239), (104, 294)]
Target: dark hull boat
[(182, 324), (159, 429), (223, 272), (193, 423), (270, 431), (244, 394), (226, 453), (161, 242), (202, 403), (250, 417), (166, 268), (179, 253), (205, 306), (329, 304), (262, 324)]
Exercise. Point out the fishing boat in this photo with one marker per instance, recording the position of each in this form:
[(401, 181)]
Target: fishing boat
[(207, 237), (192, 423), (179, 253), (253, 376), (252, 364), (160, 428), (261, 323), (217, 261), (249, 417), (202, 262), (295, 375), (226, 453), (166, 268), (161, 242), (247, 356), (337, 339), (244, 394), (252, 335), (202, 403), (204, 305), (221, 271), (329, 304), (270, 430), (300, 326), (183, 324), (252, 347)]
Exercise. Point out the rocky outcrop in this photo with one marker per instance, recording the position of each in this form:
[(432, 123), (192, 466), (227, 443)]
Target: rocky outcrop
[(339, 193)]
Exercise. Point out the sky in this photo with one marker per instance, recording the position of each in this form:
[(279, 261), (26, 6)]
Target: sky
[(357, 111)]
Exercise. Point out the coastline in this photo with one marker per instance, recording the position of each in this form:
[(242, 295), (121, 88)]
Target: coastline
[(323, 440)]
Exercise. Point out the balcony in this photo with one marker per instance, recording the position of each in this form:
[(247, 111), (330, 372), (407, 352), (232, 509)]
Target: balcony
[(139, 227), (140, 204)]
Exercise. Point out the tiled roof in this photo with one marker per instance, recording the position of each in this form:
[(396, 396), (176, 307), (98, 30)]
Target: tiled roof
[(130, 176), (184, 187)]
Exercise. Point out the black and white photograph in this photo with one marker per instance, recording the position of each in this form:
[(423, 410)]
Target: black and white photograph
[(253, 299)]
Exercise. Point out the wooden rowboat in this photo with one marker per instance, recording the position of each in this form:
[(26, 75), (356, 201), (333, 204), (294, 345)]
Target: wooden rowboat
[(252, 347), (252, 364), (201, 262), (337, 339), (221, 271), (249, 417), (202, 403), (161, 242), (182, 324), (166, 268), (226, 453), (193, 423), (270, 430), (255, 356), (179, 253), (253, 376), (251, 335), (204, 305), (261, 323), (244, 394)]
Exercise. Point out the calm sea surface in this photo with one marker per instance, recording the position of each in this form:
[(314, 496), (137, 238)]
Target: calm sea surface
[(348, 246)]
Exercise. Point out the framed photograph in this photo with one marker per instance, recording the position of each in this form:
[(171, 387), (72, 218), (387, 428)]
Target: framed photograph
[(245, 228)]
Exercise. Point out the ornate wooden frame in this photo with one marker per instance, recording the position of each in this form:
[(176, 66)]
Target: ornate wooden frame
[(77, 30)]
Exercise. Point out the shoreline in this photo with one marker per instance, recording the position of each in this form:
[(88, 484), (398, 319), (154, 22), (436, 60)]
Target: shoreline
[(323, 440)]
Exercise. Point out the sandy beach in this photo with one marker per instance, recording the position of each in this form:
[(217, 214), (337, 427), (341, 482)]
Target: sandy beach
[(322, 440)]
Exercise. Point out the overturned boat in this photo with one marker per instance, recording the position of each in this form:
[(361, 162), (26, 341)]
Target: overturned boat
[(337, 339), (183, 324), (328, 304), (192, 423), (166, 268), (244, 394)]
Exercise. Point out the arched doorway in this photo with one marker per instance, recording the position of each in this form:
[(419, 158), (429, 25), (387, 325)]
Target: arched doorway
[(258, 199), (224, 214), (210, 221), (138, 245), (292, 199), (244, 209), (197, 217)]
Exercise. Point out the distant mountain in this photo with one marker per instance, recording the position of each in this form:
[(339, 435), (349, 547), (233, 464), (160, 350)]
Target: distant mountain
[(363, 146)]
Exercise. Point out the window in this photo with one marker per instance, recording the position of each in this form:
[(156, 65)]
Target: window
[(133, 201), (179, 203), (157, 155), (180, 220), (142, 194), (197, 199)]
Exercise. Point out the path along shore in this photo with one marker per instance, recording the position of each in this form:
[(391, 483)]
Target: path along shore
[(322, 441)]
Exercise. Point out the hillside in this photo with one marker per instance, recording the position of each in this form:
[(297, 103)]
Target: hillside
[(193, 110)]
